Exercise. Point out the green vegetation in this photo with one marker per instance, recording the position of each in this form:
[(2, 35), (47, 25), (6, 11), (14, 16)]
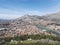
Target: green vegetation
[(36, 37), (34, 40), (31, 43)]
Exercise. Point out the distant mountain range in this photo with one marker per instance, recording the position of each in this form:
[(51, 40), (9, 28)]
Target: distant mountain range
[(28, 25), (54, 15)]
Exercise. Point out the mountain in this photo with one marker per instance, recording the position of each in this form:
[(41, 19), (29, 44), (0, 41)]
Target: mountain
[(31, 25), (26, 25), (4, 26), (54, 15), (4, 23)]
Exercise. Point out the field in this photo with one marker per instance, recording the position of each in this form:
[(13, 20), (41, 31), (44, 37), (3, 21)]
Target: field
[(30, 42), (33, 40)]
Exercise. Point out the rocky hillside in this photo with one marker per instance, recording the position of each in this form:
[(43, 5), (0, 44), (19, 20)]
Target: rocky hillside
[(26, 25), (54, 15), (31, 25)]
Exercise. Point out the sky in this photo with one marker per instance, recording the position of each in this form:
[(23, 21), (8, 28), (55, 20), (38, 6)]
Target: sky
[(12, 9)]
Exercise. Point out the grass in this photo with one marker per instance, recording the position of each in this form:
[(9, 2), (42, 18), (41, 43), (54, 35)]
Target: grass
[(30, 41), (34, 40)]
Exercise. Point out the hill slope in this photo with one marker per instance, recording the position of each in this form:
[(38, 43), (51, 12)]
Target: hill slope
[(54, 15), (28, 25)]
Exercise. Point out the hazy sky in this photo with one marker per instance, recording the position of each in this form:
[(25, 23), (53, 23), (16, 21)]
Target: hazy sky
[(10, 9)]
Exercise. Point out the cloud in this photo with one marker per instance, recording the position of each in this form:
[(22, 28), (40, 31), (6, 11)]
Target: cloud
[(34, 12), (9, 14), (6, 16), (56, 7), (13, 14)]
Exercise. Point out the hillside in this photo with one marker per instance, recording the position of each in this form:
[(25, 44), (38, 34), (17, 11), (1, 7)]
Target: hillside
[(28, 25), (54, 15), (37, 29)]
